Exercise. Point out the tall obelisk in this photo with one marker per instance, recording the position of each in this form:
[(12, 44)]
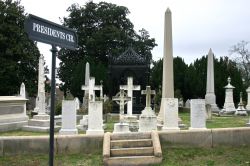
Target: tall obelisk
[(210, 95), (168, 75)]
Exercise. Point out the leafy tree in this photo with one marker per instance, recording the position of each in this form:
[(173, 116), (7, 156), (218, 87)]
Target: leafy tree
[(103, 31), (241, 56), (18, 54)]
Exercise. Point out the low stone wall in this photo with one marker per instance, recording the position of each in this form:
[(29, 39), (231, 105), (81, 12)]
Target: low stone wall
[(208, 138), (90, 144), (40, 144)]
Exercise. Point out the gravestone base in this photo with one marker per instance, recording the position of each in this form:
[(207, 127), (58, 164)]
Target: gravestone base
[(121, 128), (227, 111), (15, 124), (68, 132), (40, 123), (241, 112), (148, 120), (248, 124), (133, 123)]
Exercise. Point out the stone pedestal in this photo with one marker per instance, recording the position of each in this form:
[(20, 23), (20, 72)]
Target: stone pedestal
[(12, 113), (198, 115), (68, 118), (170, 108), (148, 120), (229, 107), (95, 120), (121, 128)]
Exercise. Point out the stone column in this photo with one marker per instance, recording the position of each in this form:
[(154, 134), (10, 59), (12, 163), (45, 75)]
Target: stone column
[(168, 76), (86, 92), (40, 104), (248, 98), (210, 98)]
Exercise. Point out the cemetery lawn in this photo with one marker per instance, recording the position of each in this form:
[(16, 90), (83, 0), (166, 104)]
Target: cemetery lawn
[(172, 156), (217, 121), (217, 156)]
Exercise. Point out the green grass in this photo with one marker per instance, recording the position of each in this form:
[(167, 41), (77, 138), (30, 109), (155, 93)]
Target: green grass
[(59, 160), (172, 156), (217, 156), (218, 122)]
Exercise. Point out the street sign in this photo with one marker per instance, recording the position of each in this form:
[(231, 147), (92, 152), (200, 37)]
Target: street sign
[(48, 32), (45, 31)]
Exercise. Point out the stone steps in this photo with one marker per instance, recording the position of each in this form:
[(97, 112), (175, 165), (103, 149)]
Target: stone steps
[(130, 149), (139, 151), (131, 143)]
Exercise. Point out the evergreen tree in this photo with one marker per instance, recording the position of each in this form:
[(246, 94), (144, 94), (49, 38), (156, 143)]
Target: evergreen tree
[(18, 55)]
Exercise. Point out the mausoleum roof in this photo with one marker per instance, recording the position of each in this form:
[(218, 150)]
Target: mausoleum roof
[(129, 57)]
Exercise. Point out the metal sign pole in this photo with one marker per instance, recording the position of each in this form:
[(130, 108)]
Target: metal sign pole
[(52, 108)]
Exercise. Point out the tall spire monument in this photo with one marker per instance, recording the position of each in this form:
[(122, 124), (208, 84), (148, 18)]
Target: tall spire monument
[(210, 97), (168, 75)]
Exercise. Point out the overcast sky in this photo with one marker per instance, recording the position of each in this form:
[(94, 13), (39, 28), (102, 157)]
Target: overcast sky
[(197, 24)]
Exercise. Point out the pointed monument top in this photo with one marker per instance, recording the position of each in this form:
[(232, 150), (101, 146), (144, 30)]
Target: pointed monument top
[(168, 10), (210, 52)]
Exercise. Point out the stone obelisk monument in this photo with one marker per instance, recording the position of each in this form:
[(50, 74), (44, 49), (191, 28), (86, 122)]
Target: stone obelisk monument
[(168, 75), (40, 105), (86, 92), (210, 98)]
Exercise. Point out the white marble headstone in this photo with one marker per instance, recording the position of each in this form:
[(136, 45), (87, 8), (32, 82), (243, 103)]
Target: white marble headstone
[(68, 118), (198, 114), (170, 107), (95, 120)]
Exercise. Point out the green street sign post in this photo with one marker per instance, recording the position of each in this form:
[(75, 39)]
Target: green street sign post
[(41, 30)]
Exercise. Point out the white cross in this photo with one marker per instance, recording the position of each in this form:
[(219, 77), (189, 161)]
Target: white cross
[(130, 88), (121, 99), (148, 92), (91, 88)]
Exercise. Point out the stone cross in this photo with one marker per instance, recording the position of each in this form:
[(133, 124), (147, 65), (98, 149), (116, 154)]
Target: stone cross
[(148, 92), (91, 88), (130, 88), (121, 99)]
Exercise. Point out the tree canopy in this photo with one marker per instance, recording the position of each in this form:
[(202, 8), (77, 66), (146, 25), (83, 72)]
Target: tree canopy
[(104, 30), (18, 55)]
